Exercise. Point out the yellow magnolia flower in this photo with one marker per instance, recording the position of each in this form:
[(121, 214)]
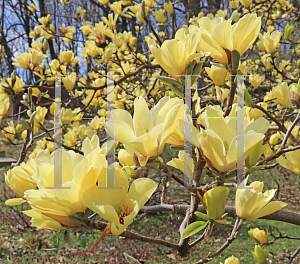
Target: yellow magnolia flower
[(256, 80), (186, 165), (136, 11), (67, 58), (86, 132), (104, 2), (281, 94), (235, 16), (266, 60), (86, 29), (269, 42), (20, 179), (164, 106), (9, 131), (39, 117), (291, 161), (273, 139), (46, 21), (222, 13), (174, 55), (69, 81), (18, 84), (144, 134), (215, 201), (169, 7), (234, 4), (4, 103), (41, 221), (119, 39), (219, 37), (288, 31), (128, 164), (117, 8), (251, 203), (32, 7), (70, 137), (217, 74), (260, 236), (268, 152), (218, 142), (78, 173), (111, 21), (107, 54), (64, 2), (246, 2), (119, 206), (29, 61), (254, 113), (232, 260), (36, 33), (160, 15), (259, 254), (97, 123)]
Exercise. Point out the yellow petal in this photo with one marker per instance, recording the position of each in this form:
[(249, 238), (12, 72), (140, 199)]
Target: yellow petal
[(222, 33), (141, 190), (213, 149), (268, 209), (14, 201), (142, 117), (122, 131)]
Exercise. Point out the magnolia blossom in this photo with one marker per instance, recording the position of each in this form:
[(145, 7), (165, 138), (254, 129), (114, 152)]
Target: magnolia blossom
[(220, 37), (119, 206), (251, 203), (146, 133), (218, 141)]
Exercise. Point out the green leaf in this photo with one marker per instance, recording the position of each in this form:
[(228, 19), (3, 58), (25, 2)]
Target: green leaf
[(190, 67), (235, 60), (194, 228), (254, 169), (169, 81), (201, 215), (248, 99), (177, 91), (25, 124)]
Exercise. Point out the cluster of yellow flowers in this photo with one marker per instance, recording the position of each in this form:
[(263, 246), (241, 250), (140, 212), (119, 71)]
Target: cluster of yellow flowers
[(149, 112)]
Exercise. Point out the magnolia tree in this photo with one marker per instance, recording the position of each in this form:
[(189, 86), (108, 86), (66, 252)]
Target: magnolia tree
[(211, 89)]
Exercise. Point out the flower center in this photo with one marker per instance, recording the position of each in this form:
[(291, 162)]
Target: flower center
[(122, 211)]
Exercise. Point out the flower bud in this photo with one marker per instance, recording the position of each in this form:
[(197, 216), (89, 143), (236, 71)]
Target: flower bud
[(19, 128), (215, 200), (273, 139), (260, 236), (232, 260), (288, 31), (234, 4), (169, 7), (259, 254)]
